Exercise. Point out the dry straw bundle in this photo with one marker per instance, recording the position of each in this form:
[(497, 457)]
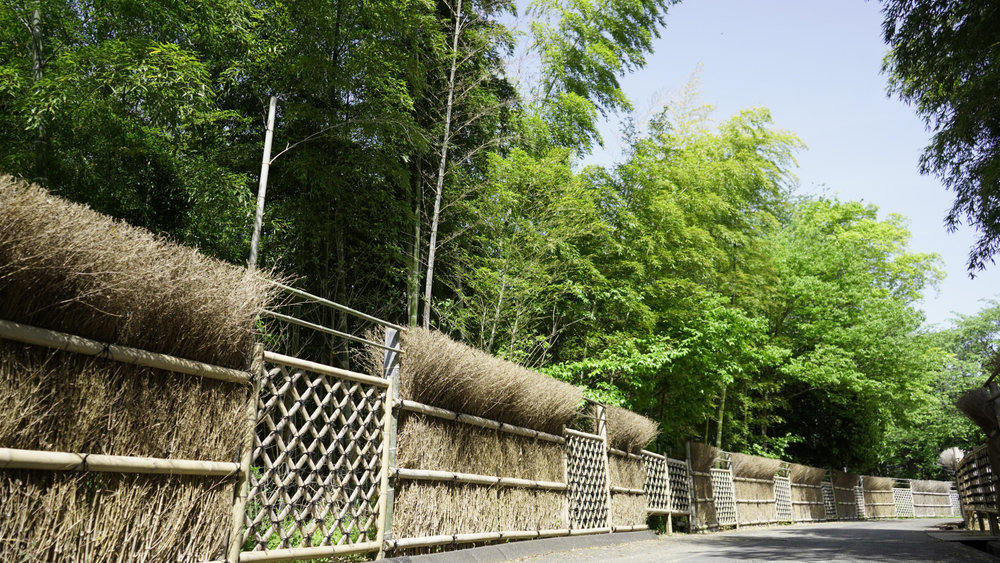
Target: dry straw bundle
[(64, 267), (430, 509), (627, 509), (429, 443), (843, 494), (703, 459), (930, 498), (443, 373), (806, 492), (878, 496), (626, 471), (629, 431), (753, 484)]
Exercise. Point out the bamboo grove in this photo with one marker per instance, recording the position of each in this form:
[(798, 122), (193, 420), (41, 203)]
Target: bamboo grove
[(427, 169)]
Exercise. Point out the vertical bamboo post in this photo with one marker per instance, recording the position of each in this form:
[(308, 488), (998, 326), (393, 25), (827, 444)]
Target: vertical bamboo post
[(242, 487), (565, 463), (691, 492), (265, 164), (387, 491), (601, 421)]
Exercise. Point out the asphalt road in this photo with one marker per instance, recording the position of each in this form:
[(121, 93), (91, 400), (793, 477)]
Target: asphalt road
[(887, 540)]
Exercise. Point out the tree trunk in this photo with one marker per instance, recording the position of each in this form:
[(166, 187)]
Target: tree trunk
[(439, 187), (722, 412), (37, 63), (413, 276)]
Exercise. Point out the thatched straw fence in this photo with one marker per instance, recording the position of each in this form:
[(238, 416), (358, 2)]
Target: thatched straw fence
[(753, 478), (807, 493), (932, 498), (103, 328), (845, 494), (878, 497)]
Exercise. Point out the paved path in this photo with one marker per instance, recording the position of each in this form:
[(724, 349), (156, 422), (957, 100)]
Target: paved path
[(887, 540)]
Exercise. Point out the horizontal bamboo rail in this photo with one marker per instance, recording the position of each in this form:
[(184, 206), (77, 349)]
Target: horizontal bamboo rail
[(337, 306), (753, 480), (324, 369), (472, 479), (85, 346), (627, 491), (428, 541), (623, 453), (636, 528), (653, 454), (330, 331), (62, 461), (666, 511), (577, 433), (420, 408), (297, 553)]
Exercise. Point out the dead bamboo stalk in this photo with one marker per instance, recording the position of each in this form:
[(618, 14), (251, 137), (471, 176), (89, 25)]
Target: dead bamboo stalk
[(297, 553), (64, 461), (84, 346)]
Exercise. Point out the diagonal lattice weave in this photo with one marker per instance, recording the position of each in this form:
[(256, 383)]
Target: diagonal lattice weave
[(586, 468), (903, 499), (859, 499), (680, 490), (783, 499), (956, 505), (316, 463), (829, 501), (725, 500), (657, 485)]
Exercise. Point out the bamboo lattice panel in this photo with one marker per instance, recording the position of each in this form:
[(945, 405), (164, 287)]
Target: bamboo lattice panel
[(859, 499), (317, 461), (783, 499), (586, 466), (725, 500), (657, 485), (903, 499), (680, 489), (956, 504), (829, 501)]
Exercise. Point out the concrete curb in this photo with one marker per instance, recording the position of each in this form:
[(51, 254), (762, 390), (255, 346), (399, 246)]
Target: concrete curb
[(514, 550)]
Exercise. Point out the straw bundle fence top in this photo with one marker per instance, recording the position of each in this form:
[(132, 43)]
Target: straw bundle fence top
[(878, 483), (703, 456), (64, 267), (443, 373), (629, 431), (754, 467), (844, 480), (67, 268), (939, 487), (806, 475)]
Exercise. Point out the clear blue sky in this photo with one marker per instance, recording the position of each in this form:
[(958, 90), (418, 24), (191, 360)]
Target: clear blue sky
[(816, 66)]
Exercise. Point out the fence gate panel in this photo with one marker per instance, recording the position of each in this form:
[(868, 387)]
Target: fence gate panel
[(725, 499), (587, 480), (317, 462), (859, 499), (903, 501), (680, 490), (783, 499)]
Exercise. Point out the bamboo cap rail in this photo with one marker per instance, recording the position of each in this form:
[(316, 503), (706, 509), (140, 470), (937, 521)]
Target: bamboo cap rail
[(428, 541), (472, 479), (413, 406), (84, 346), (324, 369), (62, 461)]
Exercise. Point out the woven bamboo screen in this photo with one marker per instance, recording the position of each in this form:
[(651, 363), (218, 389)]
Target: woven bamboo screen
[(903, 501), (680, 486), (317, 461), (588, 485), (724, 497), (783, 498), (657, 485)]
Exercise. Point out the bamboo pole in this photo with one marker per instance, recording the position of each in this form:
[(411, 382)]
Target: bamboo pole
[(413, 406), (627, 491), (577, 433), (265, 164), (324, 369), (296, 553), (602, 431), (84, 346), (653, 454), (242, 487), (11, 458), (327, 330), (623, 453), (387, 490), (472, 479), (337, 306)]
